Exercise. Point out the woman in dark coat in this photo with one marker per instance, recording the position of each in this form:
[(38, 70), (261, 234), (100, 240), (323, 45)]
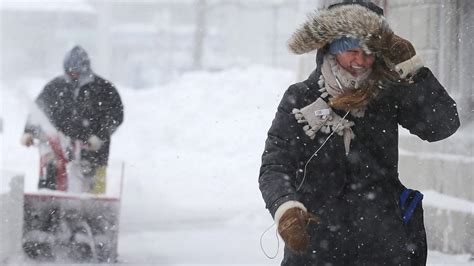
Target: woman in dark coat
[(329, 170), (83, 106)]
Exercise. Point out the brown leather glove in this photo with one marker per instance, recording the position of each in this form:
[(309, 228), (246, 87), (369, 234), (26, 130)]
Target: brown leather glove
[(292, 228), (394, 50)]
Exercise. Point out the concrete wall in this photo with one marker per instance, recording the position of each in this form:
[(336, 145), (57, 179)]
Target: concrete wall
[(448, 230)]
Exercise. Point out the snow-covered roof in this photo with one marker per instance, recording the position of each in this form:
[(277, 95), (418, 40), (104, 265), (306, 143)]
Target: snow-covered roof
[(47, 5)]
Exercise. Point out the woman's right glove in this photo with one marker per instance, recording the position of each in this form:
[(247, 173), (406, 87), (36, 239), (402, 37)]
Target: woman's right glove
[(292, 228)]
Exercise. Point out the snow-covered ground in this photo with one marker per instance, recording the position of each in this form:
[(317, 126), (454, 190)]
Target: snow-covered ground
[(192, 154)]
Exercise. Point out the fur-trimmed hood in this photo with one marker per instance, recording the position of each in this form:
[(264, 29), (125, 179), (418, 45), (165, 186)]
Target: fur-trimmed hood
[(325, 26)]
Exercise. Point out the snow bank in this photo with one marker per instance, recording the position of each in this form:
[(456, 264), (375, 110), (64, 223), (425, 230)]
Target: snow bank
[(194, 146)]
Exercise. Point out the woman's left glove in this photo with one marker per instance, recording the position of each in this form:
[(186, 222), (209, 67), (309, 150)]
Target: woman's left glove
[(292, 228), (399, 56)]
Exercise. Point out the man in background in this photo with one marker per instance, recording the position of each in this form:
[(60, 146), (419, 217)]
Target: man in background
[(85, 108)]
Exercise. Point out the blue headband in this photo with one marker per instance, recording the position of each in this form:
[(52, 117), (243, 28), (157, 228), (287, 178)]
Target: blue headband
[(343, 44)]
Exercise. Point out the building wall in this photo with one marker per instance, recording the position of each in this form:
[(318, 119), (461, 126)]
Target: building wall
[(466, 55), (144, 43), (166, 37)]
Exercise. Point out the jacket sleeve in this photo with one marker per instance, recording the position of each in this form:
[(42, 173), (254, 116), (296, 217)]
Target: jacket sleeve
[(426, 109), (112, 112), (280, 158)]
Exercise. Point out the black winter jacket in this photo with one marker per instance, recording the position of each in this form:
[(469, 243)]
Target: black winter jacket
[(92, 109), (355, 195)]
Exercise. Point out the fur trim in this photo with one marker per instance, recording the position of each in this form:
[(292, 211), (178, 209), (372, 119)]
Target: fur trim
[(286, 206), (409, 67), (322, 28)]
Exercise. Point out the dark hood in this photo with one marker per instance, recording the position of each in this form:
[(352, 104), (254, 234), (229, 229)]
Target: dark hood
[(77, 60), (365, 3)]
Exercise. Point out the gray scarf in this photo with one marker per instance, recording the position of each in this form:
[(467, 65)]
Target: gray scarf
[(337, 79), (318, 116)]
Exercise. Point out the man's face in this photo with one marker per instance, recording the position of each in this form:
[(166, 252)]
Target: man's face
[(73, 74), (355, 61)]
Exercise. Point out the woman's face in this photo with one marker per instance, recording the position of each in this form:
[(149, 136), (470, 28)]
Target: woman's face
[(356, 61)]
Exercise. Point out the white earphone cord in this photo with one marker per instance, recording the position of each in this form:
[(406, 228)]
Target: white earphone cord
[(278, 242), (320, 147)]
